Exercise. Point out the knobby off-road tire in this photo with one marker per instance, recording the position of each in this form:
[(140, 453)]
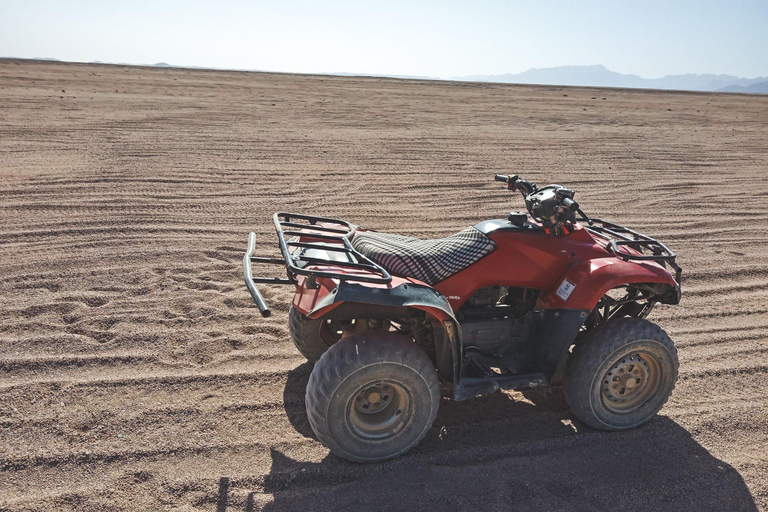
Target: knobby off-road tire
[(372, 396), (621, 375), (308, 335)]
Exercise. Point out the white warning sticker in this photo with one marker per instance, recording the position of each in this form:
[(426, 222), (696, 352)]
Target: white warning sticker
[(565, 289)]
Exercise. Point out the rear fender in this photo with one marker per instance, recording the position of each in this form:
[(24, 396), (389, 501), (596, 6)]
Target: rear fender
[(587, 282), (364, 300), (306, 298), (400, 293)]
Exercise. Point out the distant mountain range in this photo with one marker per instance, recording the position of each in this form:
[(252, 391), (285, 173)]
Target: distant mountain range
[(584, 76), (600, 76), (756, 88)]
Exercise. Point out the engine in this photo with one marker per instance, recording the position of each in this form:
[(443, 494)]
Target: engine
[(494, 322)]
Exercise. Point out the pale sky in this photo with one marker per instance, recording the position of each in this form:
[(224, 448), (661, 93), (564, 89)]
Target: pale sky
[(426, 38)]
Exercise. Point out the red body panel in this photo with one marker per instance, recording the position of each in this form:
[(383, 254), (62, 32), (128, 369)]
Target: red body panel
[(523, 258), (526, 259), (536, 260), (595, 278), (306, 299)]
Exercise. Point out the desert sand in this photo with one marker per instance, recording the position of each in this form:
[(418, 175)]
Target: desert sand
[(137, 374)]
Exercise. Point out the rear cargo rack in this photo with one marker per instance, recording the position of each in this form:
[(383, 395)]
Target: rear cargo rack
[(618, 236), (329, 237)]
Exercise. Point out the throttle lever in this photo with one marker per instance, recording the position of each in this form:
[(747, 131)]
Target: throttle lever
[(570, 205)]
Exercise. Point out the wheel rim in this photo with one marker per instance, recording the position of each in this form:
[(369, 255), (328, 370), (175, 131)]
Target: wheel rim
[(379, 410), (630, 382)]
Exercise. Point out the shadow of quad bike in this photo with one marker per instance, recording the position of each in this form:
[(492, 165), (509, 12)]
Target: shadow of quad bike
[(496, 453)]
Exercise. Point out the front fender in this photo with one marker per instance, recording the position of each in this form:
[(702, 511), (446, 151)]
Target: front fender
[(587, 282)]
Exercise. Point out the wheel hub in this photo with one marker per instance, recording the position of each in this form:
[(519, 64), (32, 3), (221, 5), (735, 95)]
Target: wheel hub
[(374, 398), (379, 410), (628, 381)]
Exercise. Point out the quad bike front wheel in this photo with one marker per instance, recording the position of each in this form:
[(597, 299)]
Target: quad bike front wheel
[(372, 396), (621, 375)]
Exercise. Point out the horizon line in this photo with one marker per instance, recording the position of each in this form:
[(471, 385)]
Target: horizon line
[(464, 78)]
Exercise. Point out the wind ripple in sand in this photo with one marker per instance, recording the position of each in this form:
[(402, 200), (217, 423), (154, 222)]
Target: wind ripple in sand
[(136, 374)]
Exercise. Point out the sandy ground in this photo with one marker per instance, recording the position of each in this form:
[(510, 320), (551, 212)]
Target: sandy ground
[(136, 374)]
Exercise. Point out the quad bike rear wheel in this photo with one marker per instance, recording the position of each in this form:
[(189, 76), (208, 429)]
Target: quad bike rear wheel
[(313, 337), (621, 375), (372, 396)]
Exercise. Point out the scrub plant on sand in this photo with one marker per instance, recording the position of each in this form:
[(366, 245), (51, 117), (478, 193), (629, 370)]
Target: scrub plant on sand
[(506, 304)]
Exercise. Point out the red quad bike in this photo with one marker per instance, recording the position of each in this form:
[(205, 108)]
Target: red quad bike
[(506, 304)]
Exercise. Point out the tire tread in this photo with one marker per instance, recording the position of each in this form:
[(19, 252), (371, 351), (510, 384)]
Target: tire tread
[(309, 344), (352, 354), (590, 353)]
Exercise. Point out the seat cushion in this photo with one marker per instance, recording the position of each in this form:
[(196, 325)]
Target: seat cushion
[(429, 261)]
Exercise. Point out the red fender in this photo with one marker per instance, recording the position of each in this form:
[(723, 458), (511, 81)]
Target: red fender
[(585, 283), (309, 301), (305, 299)]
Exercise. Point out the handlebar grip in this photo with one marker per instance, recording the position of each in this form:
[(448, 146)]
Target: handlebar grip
[(570, 204), (502, 178)]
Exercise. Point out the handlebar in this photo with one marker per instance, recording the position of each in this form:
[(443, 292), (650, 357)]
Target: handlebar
[(553, 206), (514, 182)]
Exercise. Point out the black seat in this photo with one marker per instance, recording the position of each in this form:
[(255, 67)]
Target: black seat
[(429, 261)]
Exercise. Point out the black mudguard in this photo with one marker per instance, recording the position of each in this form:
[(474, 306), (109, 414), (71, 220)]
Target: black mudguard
[(406, 295), (396, 302), (555, 332)]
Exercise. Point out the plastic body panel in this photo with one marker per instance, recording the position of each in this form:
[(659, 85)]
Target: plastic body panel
[(525, 257), (330, 293), (530, 258)]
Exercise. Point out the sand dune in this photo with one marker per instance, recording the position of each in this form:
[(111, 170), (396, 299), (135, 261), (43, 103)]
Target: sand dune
[(136, 374)]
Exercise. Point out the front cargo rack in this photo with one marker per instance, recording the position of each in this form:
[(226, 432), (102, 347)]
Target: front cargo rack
[(329, 246), (646, 248)]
